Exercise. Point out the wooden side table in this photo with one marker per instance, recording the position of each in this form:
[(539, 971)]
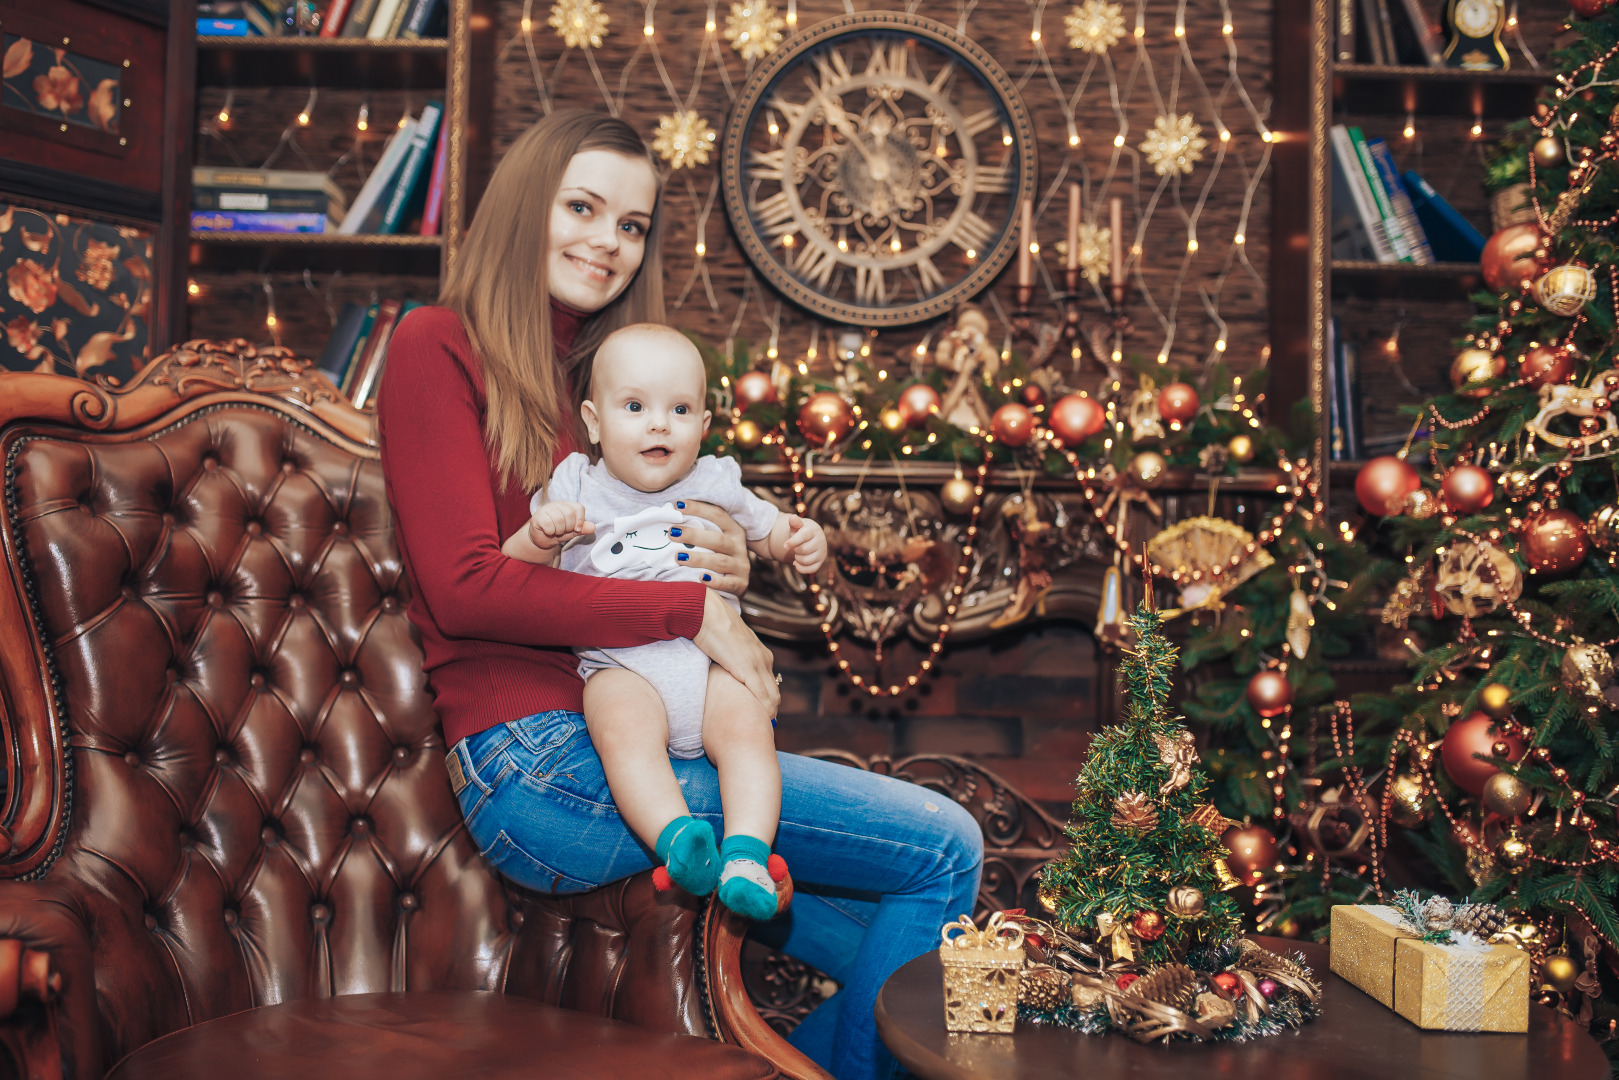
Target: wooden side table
[(1354, 1039)]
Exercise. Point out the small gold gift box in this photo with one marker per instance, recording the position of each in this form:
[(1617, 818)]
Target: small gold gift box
[(981, 973), (1438, 987)]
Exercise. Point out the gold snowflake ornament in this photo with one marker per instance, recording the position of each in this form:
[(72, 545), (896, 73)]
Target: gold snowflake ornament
[(1174, 144), (579, 23), (1094, 26), (683, 140), (754, 29), (1095, 252)]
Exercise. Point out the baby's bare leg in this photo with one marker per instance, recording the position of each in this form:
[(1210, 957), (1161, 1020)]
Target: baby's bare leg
[(739, 739), (630, 730)]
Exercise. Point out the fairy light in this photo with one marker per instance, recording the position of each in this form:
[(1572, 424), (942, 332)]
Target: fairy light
[(894, 244), (702, 249), (308, 110), (193, 289), (1191, 245), (1219, 346), (1006, 137), (1410, 129), (1477, 130), (787, 240), (404, 118), (1225, 133), (1240, 238), (1227, 29), (972, 253), (363, 121), (527, 25), (792, 13), (646, 27), (1118, 140), (224, 110), (1034, 35)]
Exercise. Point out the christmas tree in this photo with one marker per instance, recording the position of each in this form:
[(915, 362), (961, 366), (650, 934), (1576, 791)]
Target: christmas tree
[(1510, 534), (1145, 867)]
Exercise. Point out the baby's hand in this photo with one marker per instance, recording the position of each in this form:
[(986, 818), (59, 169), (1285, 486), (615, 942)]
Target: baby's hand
[(806, 544), (555, 523)]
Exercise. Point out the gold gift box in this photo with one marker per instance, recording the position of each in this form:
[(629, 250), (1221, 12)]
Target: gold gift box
[(1438, 987), (982, 970)]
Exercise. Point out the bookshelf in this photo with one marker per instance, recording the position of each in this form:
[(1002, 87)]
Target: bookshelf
[(1430, 303), (266, 80)]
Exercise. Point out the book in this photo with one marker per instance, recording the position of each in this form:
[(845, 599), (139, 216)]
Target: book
[(412, 172), (1429, 48), (254, 221), (365, 395), (224, 28), (334, 359), (1452, 237), (382, 21), (397, 23), (264, 199), (352, 364), (359, 20), (1346, 406), (1346, 162), (276, 179), (360, 217), (1400, 200), (262, 24), (1346, 31), (336, 12), (1370, 33), (433, 205), (365, 367), (422, 14), (1385, 32), (1391, 226)]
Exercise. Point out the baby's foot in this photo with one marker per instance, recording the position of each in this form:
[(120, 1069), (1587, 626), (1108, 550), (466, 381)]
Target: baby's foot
[(746, 886), (686, 847)]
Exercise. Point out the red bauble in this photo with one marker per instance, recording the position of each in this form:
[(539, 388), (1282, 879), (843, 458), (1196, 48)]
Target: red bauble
[(1554, 541), (1477, 734), (1468, 489), (1033, 396), (1076, 418), (1013, 424), (753, 388), (1228, 984), (1148, 925), (1589, 9), (825, 418), (1253, 852), (1178, 401), (1383, 483), (918, 402), (1544, 365), (1269, 692), (1509, 258)]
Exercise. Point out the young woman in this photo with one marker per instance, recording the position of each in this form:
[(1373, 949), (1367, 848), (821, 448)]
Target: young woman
[(481, 397)]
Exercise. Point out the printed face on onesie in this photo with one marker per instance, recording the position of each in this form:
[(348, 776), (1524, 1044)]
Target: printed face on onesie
[(645, 408)]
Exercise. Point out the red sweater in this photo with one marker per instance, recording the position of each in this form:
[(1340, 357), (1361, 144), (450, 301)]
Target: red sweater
[(497, 633)]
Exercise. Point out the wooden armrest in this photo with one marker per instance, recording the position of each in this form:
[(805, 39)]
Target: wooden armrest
[(734, 1013), (47, 984)]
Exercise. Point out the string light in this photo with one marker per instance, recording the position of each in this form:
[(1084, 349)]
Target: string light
[(364, 120), (1477, 130), (308, 109), (1410, 130), (224, 110)]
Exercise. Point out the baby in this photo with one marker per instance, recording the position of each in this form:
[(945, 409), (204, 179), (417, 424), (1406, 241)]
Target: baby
[(645, 411)]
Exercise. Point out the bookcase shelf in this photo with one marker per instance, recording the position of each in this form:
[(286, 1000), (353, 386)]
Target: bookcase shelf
[(1386, 90), (344, 63), (365, 253), (1435, 281)]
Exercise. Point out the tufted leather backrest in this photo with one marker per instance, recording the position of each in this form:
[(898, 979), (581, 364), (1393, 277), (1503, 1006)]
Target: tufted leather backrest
[(259, 804)]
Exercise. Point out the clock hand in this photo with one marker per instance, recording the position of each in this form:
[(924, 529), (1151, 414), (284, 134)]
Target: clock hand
[(840, 120)]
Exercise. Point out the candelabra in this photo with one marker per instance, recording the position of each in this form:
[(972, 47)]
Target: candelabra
[(1105, 337)]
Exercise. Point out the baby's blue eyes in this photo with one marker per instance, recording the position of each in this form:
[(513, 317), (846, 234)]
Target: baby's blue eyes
[(681, 410), (635, 407)]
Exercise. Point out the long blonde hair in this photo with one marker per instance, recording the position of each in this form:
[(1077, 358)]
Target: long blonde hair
[(500, 290)]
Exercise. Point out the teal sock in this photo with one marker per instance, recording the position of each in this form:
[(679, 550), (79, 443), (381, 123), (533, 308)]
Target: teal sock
[(745, 883), (686, 847)]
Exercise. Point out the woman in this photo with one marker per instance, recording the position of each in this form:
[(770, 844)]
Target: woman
[(481, 397)]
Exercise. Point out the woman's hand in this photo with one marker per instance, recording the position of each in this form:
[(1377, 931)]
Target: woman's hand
[(722, 555), (728, 642)]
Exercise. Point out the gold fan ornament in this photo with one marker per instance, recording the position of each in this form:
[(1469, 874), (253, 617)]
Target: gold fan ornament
[(1190, 551)]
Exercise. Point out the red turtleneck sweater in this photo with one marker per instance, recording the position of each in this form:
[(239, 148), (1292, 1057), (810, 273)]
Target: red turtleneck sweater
[(497, 633)]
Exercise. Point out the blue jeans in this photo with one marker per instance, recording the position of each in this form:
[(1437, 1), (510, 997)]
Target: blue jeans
[(879, 865)]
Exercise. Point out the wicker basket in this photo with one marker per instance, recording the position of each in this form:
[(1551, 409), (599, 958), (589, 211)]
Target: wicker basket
[(1511, 206)]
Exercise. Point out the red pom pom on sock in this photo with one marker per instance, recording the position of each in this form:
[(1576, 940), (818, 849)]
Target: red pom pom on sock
[(777, 867), (661, 879)]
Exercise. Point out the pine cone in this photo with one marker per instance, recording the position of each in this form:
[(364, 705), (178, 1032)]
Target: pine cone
[(1168, 984), (1438, 914), (1481, 920), (1261, 961), (1215, 1011), (1044, 988), (1134, 813)]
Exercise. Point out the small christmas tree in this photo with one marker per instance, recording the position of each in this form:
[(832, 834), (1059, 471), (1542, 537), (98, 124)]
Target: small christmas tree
[(1146, 868)]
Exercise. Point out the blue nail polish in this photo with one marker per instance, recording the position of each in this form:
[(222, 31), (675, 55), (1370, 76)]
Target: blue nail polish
[(674, 532), (707, 578), (680, 506), (682, 556), (772, 723)]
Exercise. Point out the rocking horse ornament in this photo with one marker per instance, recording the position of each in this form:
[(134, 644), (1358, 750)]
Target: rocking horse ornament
[(1559, 400)]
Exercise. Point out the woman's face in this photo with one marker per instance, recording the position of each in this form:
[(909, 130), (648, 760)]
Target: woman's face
[(599, 223)]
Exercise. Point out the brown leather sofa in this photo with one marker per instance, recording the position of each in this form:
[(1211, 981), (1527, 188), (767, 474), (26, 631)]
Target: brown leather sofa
[(227, 833)]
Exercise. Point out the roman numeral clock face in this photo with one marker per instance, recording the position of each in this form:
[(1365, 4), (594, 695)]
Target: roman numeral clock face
[(873, 167)]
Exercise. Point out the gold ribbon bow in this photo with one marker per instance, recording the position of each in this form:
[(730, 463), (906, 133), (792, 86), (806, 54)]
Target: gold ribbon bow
[(1108, 926), (998, 933)]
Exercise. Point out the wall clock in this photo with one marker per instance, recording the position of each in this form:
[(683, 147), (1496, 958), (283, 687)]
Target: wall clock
[(873, 167)]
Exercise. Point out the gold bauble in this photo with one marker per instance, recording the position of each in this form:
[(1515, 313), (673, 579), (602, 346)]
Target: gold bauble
[(1475, 366), (1561, 971), (747, 434), (1518, 483), (1513, 851), (1241, 449), (1604, 528), (1421, 504), (1048, 899), (1495, 701), (958, 495), (1586, 669), (1185, 901), (891, 419), (1565, 290), (1148, 467), (1506, 795), (1548, 151), (1410, 807), (1520, 932)]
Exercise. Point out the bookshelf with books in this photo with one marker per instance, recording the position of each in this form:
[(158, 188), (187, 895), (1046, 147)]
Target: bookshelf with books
[(335, 171), (1392, 161)]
